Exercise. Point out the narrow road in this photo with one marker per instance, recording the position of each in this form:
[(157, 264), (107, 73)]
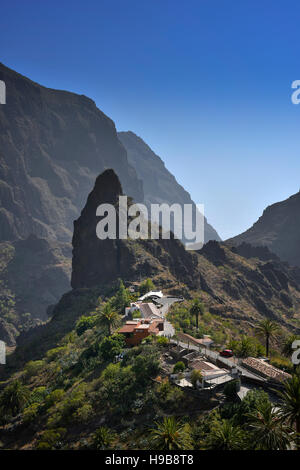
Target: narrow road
[(164, 304), (214, 356)]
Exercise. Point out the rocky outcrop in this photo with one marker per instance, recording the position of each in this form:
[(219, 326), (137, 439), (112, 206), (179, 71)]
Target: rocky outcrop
[(278, 229), (53, 144), (244, 288), (250, 251), (160, 186), (97, 262)]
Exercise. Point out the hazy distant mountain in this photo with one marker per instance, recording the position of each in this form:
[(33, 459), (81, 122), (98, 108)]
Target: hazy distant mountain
[(278, 229), (158, 183), (34, 273)]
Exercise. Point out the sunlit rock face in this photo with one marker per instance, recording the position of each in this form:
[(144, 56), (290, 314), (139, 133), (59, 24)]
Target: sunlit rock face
[(278, 229)]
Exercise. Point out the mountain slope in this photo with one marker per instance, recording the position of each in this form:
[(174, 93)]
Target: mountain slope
[(34, 273), (53, 144), (158, 183), (235, 288), (245, 288), (278, 229)]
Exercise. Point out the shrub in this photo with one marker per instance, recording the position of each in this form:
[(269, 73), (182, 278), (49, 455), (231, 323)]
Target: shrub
[(54, 397), (112, 346), (145, 366), (169, 397), (196, 376), (83, 413), (282, 363), (148, 340), (54, 353), (74, 401), (38, 395), (32, 368), (51, 439), (85, 323), (30, 413), (146, 286), (136, 313), (118, 386), (162, 341), (179, 367), (254, 400)]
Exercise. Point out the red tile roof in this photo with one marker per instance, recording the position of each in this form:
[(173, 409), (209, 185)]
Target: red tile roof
[(128, 328)]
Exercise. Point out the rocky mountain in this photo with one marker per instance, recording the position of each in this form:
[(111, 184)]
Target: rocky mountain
[(100, 262), (160, 186), (238, 288), (277, 229), (244, 283), (53, 144)]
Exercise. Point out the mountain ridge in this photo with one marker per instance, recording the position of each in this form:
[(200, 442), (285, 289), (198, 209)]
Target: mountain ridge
[(278, 229), (242, 290)]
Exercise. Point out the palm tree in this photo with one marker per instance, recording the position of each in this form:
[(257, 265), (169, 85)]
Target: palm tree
[(196, 309), (14, 397), (290, 403), (108, 317), (224, 436), (269, 431), (245, 347), (170, 435), (268, 329), (103, 438), (287, 349)]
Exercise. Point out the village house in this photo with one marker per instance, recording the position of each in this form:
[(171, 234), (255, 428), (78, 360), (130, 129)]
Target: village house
[(154, 294), (205, 342), (146, 309), (212, 375), (135, 331), (264, 369)]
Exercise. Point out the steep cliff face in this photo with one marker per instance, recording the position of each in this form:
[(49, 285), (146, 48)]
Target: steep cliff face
[(53, 144), (277, 229), (97, 262), (160, 186)]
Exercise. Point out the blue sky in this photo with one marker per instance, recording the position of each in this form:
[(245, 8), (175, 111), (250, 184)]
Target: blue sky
[(207, 84)]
